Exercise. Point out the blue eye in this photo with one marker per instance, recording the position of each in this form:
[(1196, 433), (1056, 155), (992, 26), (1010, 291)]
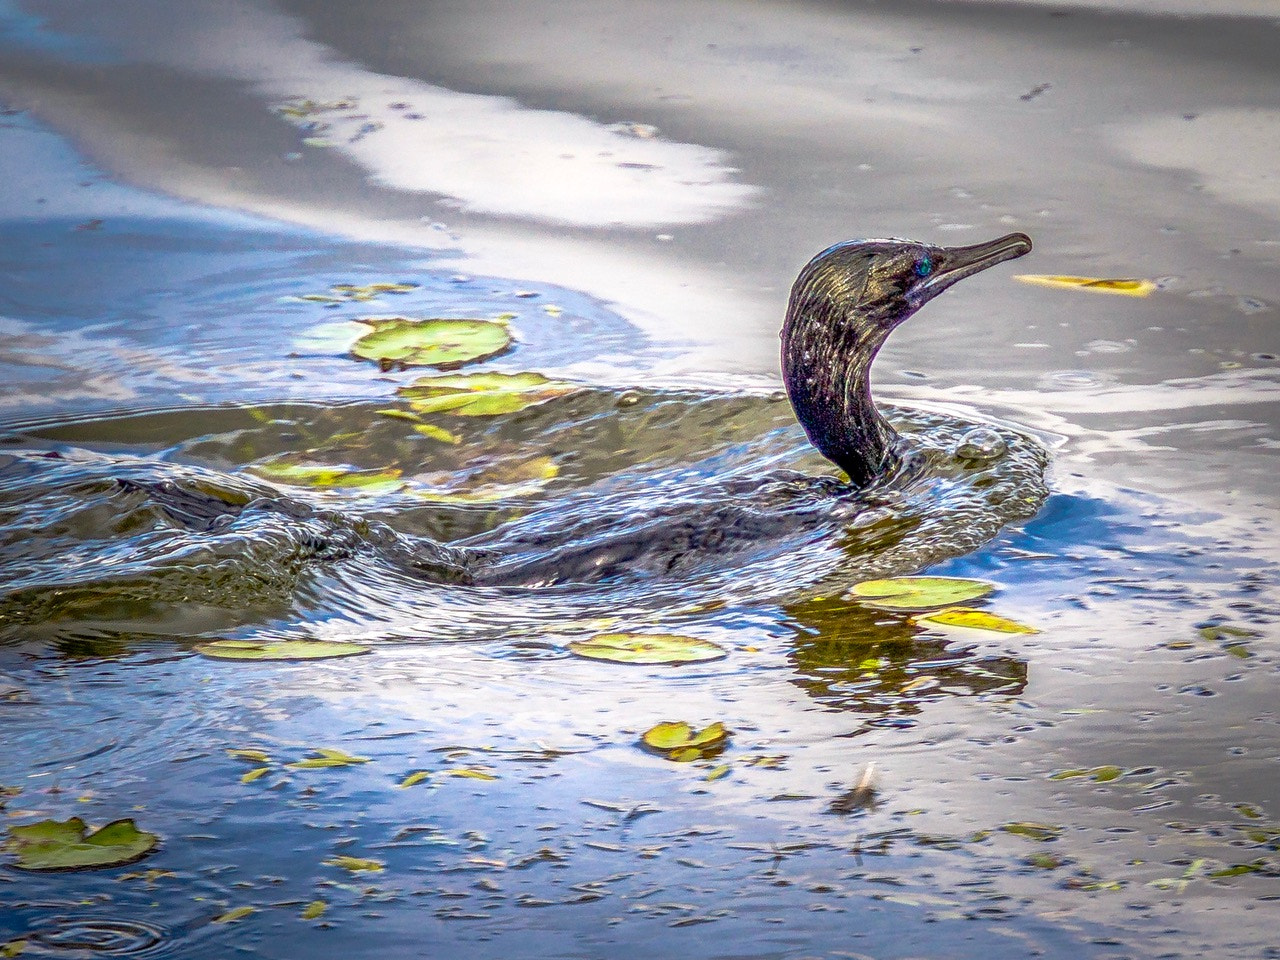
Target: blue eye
[(924, 267)]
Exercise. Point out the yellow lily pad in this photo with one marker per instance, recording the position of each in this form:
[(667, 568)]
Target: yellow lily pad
[(442, 343), (977, 620), (483, 394), (647, 648), (279, 649), (919, 593), (327, 757), (1125, 287), (231, 916), (678, 741), (356, 864), (70, 845), (289, 469)]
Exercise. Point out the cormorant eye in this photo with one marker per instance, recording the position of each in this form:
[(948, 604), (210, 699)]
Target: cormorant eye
[(924, 267)]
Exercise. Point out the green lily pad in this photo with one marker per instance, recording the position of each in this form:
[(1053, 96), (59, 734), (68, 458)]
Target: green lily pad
[(977, 620), (483, 394), (70, 845), (356, 864), (444, 344), (280, 649), (678, 741), (919, 593), (668, 735), (647, 648)]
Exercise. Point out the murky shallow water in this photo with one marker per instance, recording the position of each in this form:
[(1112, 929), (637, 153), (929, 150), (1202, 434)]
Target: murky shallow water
[(143, 336)]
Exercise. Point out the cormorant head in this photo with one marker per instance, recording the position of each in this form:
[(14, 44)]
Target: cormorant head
[(871, 286)]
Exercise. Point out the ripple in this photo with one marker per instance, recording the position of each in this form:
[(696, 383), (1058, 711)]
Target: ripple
[(74, 937)]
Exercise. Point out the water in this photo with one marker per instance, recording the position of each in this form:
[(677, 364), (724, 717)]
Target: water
[(1104, 787)]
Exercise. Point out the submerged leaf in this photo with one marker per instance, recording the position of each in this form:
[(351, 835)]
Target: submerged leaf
[(279, 650), (647, 648), (977, 620), (1033, 831), (483, 394), (442, 343), (289, 469), (69, 845), (919, 593), (1128, 287)]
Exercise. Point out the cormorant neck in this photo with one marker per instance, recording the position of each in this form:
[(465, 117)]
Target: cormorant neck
[(826, 366)]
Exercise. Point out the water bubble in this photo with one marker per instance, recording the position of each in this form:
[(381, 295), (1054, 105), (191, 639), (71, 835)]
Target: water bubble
[(981, 444)]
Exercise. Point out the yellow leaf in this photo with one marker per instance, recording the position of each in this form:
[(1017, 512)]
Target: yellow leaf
[(314, 909), (718, 772), (231, 916), (977, 620), (1127, 287), (253, 775), (355, 864), (416, 777), (253, 756), (471, 773)]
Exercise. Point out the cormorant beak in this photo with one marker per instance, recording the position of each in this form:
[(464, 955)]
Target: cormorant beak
[(955, 263)]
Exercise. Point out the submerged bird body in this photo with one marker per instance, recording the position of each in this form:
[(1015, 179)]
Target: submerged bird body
[(844, 304)]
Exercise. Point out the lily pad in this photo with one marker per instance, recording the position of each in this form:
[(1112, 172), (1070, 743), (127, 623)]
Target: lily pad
[(1041, 832), (977, 620), (647, 648), (1126, 287), (356, 864), (328, 757), (678, 741), (70, 845), (483, 394), (441, 343), (280, 649), (289, 470), (919, 593)]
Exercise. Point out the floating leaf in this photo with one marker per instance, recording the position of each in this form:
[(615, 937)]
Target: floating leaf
[(977, 620), (1032, 831), (678, 741), (289, 469), (471, 773), (416, 777), (444, 344), (255, 774), (1128, 287), (356, 864), (718, 772), (1239, 869), (279, 650), (12, 948), (919, 593), (231, 916), (483, 394), (668, 735), (314, 909), (253, 756), (328, 757), (69, 845), (647, 648)]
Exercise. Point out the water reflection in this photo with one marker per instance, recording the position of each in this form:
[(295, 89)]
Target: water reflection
[(885, 665)]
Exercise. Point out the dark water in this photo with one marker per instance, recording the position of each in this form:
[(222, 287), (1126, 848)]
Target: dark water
[(1104, 787)]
